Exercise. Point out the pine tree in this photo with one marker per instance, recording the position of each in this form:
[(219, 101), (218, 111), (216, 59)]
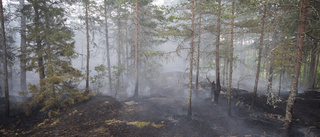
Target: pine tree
[(297, 66), (147, 19), (5, 69), (191, 60), (231, 59), (88, 47), (23, 76), (198, 52), (218, 85), (50, 50), (107, 43), (136, 51), (260, 52)]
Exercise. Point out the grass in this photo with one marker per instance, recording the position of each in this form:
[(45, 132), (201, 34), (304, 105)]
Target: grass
[(140, 124)]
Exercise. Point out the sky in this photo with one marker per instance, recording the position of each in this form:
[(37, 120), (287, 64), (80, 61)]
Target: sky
[(158, 2), (166, 2)]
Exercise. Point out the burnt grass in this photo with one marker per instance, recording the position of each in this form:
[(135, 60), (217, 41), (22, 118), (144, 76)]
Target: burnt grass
[(161, 114)]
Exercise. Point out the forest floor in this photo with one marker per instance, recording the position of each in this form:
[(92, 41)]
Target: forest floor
[(162, 114)]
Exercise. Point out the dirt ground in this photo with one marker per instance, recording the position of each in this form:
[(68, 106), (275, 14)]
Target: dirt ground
[(163, 114)]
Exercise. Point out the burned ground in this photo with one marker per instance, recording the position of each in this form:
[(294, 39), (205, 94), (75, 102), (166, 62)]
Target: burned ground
[(163, 114)]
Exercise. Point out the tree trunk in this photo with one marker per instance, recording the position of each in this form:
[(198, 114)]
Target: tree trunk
[(191, 60), (316, 70), (231, 61), (198, 55), (23, 45), (224, 71), (118, 51), (10, 76), (50, 65), (39, 49), (218, 85), (136, 59), (259, 57), (267, 65), (312, 73), (303, 80), (127, 49), (127, 55), (88, 50), (107, 45), (299, 51), (5, 68), (227, 71)]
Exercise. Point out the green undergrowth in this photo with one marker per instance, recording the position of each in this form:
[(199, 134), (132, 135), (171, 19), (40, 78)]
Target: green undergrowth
[(139, 124)]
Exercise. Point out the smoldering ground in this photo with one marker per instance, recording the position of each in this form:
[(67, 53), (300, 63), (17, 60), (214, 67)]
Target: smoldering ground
[(168, 102), (161, 110)]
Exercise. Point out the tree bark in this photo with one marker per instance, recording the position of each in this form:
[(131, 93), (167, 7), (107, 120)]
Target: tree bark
[(107, 45), (316, 69), (136, 47), (224, 71), (191, 60), (259, 57), (23, 74), (299, 51), (227, 71), (88, 49), (231, 61), (5, 66), (218, 85), (127, 49), (10, 76), (118, 51), (198, 55)]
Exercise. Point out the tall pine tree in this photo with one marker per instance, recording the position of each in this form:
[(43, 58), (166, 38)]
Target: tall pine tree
[(49, 51)]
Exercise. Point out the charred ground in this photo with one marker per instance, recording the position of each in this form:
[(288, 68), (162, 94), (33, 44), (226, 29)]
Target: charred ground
[(162, 114)]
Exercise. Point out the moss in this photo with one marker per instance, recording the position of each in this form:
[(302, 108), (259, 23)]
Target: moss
[(55, 122), (157, 125), (139, 124), (142, 124), (113, 121)]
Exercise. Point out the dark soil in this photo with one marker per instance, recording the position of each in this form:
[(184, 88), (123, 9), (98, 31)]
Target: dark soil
[(163, 114)]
